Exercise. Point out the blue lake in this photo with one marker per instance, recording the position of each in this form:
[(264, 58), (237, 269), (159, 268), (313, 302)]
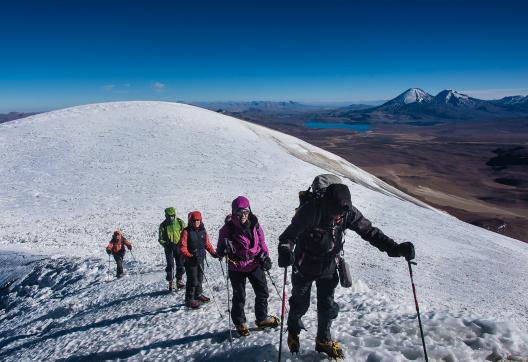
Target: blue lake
[(360, 127)]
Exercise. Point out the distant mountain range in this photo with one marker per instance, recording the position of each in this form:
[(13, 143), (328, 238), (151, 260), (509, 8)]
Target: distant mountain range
[(415, 103), (266, 106), (412, 105), (11, 116)]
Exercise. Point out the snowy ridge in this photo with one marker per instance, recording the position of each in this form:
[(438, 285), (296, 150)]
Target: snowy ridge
[(68, 178), (453, 97)]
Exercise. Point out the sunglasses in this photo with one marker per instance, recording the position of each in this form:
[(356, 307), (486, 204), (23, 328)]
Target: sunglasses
[(242, 212)]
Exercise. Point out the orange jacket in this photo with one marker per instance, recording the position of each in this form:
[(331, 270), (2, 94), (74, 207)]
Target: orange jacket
[(116, 245)]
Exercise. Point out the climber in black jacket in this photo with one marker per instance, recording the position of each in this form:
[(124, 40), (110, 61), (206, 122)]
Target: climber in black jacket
[(312, 243)]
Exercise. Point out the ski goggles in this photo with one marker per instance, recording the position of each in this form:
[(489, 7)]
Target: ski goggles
[(241, 212)]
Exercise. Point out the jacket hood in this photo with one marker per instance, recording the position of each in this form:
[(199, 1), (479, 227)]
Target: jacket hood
[(240, 203), (170, 211), (336, 200), (193, 216), (117, 234)]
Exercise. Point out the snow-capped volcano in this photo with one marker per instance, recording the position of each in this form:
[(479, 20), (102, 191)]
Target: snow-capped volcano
[(413, 95), (452, 97), (70, 177)]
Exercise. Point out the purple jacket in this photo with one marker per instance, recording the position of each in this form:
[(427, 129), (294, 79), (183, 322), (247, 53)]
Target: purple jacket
[(233, 237)]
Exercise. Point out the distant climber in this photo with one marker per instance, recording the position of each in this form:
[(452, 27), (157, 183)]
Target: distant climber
[(116, 247), (169, 237)]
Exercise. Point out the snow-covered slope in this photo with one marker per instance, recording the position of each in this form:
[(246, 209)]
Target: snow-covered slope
[(68, 178)]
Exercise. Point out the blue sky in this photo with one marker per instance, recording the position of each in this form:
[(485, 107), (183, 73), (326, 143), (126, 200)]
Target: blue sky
[(61, 53)]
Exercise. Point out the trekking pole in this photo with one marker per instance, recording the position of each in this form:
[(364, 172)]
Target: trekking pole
[(417, 307), (228, 303), (222, 267), (133, 257), (211, 289), (108, 267), (276, 288), (283, 309), (135, 260)]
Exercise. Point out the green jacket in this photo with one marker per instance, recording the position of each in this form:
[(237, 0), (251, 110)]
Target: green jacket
[(171, 233)]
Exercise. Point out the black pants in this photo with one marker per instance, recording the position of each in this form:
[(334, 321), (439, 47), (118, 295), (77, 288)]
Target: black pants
[(257, 278), (118, 257), (172, 254), (193, 286), (327, 309)]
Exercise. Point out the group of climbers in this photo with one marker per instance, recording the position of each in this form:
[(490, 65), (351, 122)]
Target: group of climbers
[(312, 244)]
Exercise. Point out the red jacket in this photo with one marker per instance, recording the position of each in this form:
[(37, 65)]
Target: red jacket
[(116, 245), (184, 248)]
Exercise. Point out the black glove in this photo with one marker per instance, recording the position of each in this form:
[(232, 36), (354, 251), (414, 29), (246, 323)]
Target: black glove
[(406, 250), (265, 261), (108, 251), (285, 256)]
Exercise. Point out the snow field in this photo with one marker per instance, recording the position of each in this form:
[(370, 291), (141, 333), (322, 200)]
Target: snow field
[(68, 178)]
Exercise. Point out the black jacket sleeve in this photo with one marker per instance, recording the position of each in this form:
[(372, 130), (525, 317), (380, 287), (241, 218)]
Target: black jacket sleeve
[(361, 225), (302, 220)]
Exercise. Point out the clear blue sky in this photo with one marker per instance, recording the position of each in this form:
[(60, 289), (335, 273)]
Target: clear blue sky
[(61, 53)]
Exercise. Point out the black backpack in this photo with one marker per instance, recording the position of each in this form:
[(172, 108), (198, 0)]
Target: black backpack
[(318, 188)]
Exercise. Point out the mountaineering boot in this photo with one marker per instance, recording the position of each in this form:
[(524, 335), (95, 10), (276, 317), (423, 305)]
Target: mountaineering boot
[(193, 304), (179, 283), (243, 329), (271, 322), (293, 342), (331, 348), (202, 298), (171, 285)]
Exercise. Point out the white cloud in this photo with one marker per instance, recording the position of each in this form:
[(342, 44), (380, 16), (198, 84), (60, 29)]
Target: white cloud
[(158, 86)]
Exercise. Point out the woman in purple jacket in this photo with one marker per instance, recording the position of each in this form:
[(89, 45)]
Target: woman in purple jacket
[(241, 240)]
